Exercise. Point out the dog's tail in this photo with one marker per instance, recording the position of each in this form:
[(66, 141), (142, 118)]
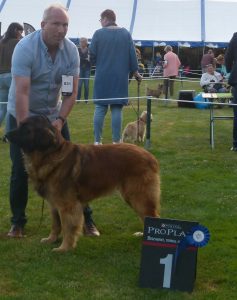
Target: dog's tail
[(124, 137)]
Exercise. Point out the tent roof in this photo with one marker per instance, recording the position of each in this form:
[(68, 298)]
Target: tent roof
[(151, 22)]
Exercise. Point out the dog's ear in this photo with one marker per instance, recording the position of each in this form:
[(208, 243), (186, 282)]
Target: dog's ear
[(35, 134)]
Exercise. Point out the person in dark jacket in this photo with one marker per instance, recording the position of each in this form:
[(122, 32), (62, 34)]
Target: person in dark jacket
[(85, 68), (208, 59), (231, 66), (7, 46)]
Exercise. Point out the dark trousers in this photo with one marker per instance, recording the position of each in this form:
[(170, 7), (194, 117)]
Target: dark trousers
[(84, 79), (234, 91), (19, 181), (168, 86)]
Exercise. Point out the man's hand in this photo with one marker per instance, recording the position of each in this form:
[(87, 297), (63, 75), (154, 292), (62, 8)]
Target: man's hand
[(58, 123)]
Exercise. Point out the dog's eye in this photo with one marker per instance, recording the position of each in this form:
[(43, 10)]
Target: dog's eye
[(26, 130)]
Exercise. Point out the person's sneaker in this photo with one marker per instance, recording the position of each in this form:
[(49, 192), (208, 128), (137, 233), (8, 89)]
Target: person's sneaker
[(16, 232), (90, 229), (233, 149)]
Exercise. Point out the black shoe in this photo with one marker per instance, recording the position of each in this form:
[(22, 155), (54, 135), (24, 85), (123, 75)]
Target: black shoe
[(16, 232)]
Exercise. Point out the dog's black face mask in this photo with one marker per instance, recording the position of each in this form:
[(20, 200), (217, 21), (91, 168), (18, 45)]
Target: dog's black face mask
[(34, 134)]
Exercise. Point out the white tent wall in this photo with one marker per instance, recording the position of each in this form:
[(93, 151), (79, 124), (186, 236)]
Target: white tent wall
[(85, 15), (155, 20), (221, 20), (168, 20), (28, 11)]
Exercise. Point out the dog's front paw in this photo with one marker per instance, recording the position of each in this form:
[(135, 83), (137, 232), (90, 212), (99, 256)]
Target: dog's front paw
[(61, 249), (49, 240), (138, 233)]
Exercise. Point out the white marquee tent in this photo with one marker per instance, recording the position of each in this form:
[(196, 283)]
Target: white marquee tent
[(151, 22)]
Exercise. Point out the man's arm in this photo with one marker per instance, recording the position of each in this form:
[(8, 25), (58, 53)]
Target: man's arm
[(22, 97), (67, 105)]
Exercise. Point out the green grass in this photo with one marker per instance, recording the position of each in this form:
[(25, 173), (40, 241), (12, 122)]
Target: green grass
[(198, 184)]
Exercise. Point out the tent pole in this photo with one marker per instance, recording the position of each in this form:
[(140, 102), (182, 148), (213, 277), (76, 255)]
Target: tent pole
[(203, 23), (2, 4), (133, 16)]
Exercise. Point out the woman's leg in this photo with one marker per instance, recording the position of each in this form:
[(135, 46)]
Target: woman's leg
[(80, 85), (99, 116), (171, 85), (116, 122), (86, 84)]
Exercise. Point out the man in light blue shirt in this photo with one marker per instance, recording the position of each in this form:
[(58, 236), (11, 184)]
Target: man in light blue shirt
[(40, 63), (33, 65)]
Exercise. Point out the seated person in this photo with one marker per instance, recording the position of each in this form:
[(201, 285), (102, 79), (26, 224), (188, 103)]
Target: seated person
[(220, 60), (212, 81)]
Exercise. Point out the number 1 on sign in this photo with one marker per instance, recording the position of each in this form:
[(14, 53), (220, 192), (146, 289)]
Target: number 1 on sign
[(167, 261)]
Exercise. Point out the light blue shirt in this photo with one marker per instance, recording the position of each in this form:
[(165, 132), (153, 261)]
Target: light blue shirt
[(31, 59)]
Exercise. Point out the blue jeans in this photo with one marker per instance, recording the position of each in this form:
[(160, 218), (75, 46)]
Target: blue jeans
[(116, 121), (19, 180), (5, 82), (84, 79)]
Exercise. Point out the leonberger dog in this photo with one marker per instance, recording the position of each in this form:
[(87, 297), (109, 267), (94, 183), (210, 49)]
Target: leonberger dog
[(70, 175)]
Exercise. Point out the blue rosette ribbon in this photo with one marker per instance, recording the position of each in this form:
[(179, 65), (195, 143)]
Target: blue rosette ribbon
[(198, 236)]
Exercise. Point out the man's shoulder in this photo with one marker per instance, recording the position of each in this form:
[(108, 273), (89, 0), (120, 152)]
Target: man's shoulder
[(105, 30), (68, 41), (171, 54), (31, 37), (69, 44), (29, 40)]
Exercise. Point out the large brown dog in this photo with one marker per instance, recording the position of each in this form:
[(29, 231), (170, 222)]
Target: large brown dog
[(70, 175)]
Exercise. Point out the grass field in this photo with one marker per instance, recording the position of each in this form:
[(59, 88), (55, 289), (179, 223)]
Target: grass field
[(198, 184)]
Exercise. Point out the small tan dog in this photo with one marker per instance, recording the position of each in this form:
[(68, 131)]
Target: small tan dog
[(135, 131), (155, 93)]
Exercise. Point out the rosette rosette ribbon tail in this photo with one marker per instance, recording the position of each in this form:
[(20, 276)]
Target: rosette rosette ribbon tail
[(198, 236)]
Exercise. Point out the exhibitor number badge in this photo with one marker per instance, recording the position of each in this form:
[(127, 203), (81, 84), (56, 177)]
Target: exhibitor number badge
[(67, 85)]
